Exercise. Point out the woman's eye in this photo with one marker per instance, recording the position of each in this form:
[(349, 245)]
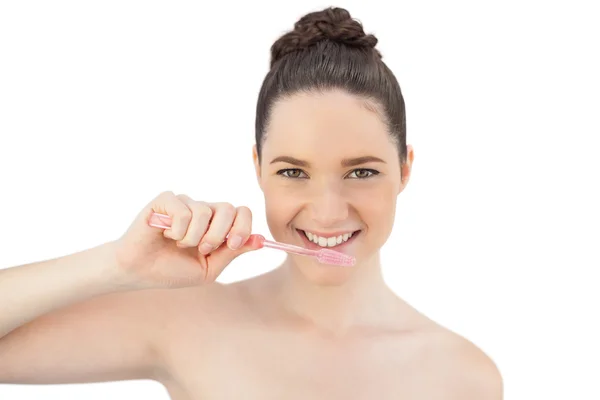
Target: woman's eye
[(362, 173), (291, 173)]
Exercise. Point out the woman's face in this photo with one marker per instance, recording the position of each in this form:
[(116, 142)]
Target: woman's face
[(330, 174)]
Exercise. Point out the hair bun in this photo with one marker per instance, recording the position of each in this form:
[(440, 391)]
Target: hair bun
[(333, 24)]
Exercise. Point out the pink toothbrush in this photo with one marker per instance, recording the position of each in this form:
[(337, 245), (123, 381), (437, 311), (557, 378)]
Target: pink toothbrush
[(324, 256)]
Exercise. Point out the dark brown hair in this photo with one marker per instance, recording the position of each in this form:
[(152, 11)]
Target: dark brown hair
[(329, 50)]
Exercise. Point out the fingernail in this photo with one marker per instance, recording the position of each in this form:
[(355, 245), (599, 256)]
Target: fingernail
[(205, 248), (235, 242)]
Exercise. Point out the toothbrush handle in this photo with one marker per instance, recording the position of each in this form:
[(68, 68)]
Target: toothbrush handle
[(163, 221), (289, 248), (159, 220)]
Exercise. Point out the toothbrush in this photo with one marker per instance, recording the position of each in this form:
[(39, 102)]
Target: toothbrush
[(324, 256)]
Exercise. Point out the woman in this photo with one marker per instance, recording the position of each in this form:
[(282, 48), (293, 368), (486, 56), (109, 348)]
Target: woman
[(331, 159)]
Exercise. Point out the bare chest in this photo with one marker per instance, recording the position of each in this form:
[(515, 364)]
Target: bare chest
[(255, 365)]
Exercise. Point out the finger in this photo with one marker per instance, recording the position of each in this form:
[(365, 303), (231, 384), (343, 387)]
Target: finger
[(181, 215), (241, 229), (201, 216), (220, 258), (223, 217)]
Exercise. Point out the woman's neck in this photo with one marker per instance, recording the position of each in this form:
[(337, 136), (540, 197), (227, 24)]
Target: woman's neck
[(363, 299)]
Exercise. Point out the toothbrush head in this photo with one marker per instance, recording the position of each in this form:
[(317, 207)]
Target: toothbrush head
[(332, 257)]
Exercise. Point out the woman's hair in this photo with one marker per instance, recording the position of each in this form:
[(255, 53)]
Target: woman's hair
[(329, 50)]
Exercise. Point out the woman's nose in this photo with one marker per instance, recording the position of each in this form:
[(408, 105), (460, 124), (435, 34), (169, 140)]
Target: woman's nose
[(328, 207)]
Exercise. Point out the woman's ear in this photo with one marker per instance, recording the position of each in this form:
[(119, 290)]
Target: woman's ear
[(406, 168), (256, 165)]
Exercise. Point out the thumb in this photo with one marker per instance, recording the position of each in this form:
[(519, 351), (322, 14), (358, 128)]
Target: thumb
[(220, 258)]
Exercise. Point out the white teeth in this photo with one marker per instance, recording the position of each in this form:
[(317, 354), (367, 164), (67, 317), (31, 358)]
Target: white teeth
[(327, 241)]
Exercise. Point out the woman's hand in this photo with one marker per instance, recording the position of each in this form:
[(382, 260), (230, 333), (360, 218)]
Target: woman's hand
[(202, 240)]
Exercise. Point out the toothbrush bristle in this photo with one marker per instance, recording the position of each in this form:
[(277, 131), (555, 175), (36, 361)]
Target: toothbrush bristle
[(333, 257)]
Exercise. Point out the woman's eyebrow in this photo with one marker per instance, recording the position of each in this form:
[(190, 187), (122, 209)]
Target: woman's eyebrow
[(291, 160), (352, 162)]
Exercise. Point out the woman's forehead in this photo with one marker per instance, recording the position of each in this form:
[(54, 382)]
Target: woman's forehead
[(331, 121)]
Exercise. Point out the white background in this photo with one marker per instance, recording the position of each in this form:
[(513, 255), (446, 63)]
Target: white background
[(105, 104)]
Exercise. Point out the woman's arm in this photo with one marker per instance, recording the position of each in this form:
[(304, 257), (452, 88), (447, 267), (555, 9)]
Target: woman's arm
[(72, 320)]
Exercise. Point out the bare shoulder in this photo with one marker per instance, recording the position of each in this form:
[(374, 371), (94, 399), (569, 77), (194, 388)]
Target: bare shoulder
[(468, 372), (192, 305), (213, 305)]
